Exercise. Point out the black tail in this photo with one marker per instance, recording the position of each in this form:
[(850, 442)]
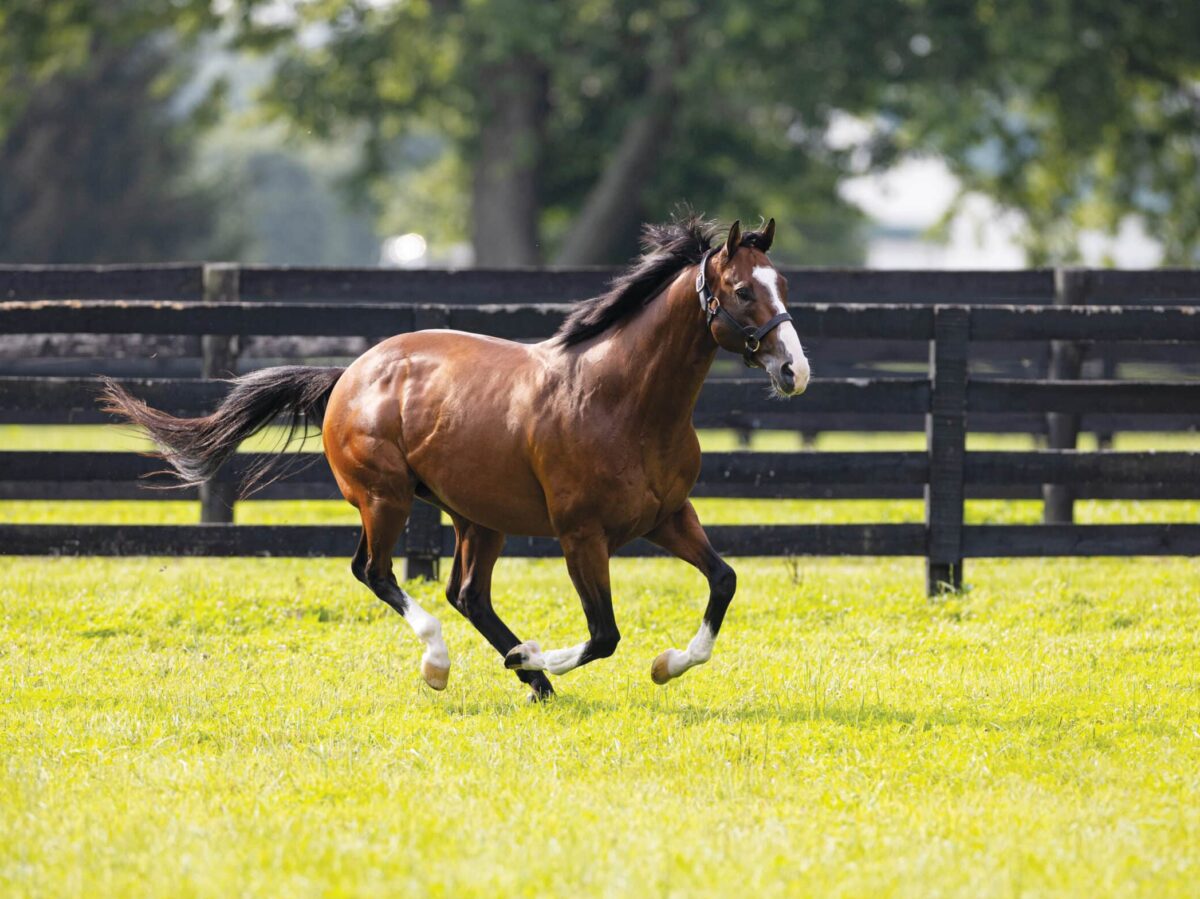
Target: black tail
[(196, 447)]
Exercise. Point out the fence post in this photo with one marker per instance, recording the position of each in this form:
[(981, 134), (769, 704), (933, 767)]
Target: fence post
[(219, 360), (423, 542), (1066, 361), (945, 435)]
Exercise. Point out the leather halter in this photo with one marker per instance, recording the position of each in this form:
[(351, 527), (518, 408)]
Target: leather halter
[(712, 308)]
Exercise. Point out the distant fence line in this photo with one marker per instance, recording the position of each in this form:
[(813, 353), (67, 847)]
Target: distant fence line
[(946, 398)]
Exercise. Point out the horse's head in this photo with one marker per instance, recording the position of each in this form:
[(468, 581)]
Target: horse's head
[(747, 308)]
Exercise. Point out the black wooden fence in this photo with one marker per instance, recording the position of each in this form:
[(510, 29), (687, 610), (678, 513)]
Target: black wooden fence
[(946, 396)]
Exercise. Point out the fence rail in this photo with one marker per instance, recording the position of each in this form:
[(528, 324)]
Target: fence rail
[(221, 306), (823, 285)]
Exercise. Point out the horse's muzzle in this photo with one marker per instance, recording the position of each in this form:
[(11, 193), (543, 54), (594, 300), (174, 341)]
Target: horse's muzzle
[(789, 378)]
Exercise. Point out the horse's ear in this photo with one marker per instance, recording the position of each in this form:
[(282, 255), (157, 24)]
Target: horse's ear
[(734, 240), (768, 236)]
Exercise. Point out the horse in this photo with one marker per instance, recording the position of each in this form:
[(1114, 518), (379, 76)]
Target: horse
[(586, 437)]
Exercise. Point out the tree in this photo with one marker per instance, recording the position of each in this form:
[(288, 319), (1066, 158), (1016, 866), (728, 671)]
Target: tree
[(576, 120), (1077, 113), (572, 122), (95, 160)]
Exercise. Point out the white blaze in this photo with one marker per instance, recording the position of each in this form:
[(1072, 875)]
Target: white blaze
[(769, 279)]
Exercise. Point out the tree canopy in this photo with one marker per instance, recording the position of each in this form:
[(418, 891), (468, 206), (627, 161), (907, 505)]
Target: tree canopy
[(545, 132)]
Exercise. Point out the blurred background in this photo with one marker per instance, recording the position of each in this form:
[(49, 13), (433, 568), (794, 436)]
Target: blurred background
[(501, 133)]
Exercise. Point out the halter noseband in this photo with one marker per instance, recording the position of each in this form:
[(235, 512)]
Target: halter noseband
[(712, 308)]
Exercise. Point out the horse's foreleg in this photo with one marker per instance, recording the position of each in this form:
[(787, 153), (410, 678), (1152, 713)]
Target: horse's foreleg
[(682, 536), (470, 591), (587, 563), (382, 524)]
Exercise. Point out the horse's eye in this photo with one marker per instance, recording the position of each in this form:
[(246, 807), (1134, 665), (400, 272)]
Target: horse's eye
[(745, 294)]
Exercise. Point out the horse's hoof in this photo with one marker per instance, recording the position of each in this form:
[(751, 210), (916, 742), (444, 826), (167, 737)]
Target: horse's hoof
[(435, 675), (521, 655), (659, 672)]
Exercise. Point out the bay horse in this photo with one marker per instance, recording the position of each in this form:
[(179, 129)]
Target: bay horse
[(586, 437)]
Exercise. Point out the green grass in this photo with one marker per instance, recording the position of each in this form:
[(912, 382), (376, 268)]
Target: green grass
[(259, 727)]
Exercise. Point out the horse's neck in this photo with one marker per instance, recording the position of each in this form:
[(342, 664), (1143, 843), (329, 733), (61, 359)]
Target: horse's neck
[(660, 358)]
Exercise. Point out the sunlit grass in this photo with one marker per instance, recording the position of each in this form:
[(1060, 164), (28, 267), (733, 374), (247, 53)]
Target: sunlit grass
[(259, 728)]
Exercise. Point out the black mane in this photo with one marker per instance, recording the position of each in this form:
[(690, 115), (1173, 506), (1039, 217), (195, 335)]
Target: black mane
[(666, 250)]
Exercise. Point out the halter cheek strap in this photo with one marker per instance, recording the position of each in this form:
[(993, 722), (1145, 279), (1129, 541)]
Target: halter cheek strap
[(712, 308)]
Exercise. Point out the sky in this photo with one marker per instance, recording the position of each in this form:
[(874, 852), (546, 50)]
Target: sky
[(915, 195)]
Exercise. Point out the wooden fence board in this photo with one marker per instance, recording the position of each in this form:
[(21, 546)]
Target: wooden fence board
[(1170, 324), (1085, 468), (172, 281), (177, 281), (340, 540), (831, 475), (194, 396), (1040, 540), (741, 469), (302, 490), (979, 541), (1130, 397), (516, 321)]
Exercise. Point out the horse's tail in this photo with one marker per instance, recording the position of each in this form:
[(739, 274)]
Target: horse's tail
[(196, 447)]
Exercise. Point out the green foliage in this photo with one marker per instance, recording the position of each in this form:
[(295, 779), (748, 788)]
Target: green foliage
[(1076, 113), (96, 160), (402, 69), (44, 39), (96, 169)]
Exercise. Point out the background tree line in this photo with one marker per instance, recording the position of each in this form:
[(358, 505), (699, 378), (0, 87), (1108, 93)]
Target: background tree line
[(545, 132)]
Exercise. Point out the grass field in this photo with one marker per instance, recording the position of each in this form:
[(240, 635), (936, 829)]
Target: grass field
[(259, 727)]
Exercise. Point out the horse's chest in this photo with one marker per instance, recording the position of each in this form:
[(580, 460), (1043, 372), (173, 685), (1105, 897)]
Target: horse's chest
[(635, 496)]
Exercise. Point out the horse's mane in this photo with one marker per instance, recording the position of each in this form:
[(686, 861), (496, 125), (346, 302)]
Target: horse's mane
[(666, 250)]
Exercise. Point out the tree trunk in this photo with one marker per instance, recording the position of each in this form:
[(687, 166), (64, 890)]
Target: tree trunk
[(504, 196), (611, 209)]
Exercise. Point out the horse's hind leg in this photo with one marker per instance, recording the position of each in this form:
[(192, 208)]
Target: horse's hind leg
[(470, 591), (383, 521), (682, 536)]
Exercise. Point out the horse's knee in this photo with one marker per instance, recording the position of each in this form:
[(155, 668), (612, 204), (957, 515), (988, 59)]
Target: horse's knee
[(723, 582)]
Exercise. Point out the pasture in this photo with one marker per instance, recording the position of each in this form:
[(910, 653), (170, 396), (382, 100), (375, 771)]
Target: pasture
[(258, 726)]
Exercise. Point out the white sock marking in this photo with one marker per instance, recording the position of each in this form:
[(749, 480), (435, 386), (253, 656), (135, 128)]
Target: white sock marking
[(555, 661), (698, 652), (429, 630), (560, 661)]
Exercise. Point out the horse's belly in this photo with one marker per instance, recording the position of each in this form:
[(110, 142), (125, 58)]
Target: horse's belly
[(469, 447), (487, 488)]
